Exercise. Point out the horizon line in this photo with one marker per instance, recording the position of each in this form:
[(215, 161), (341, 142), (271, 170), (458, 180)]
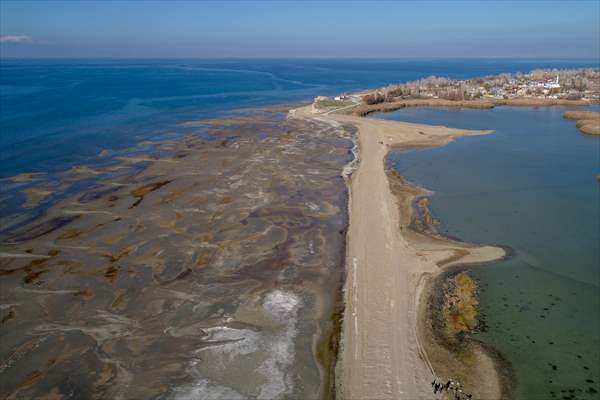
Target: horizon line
[(595, 58)]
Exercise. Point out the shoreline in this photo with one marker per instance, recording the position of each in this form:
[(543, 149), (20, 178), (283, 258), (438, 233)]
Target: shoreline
[(363, 110), (587, 122), (477, 363), (374, 360)]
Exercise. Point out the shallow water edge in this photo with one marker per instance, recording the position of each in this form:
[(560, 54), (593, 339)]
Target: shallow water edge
[(215, 270), (479, 368)]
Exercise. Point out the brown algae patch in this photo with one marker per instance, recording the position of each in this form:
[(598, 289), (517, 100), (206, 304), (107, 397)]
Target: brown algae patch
[(41, 229), (8, 316), (35, 195), (26, 177), (142, 191)]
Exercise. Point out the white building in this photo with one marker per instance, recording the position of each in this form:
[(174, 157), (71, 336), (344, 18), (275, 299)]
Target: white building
[(553, 85)]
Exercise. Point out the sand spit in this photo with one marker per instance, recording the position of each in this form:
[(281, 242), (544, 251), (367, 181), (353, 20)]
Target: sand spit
[(365, 109), (586, 121), (387, 340)]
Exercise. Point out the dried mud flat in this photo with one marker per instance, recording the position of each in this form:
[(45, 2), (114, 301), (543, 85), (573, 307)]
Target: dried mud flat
[(211, 271)]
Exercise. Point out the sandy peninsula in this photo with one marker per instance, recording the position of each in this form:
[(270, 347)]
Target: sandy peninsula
[(387, 343)]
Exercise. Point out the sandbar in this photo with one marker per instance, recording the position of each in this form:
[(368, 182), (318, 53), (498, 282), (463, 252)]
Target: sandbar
[(386, 341)]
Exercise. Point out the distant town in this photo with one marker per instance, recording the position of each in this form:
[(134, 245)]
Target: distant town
[(576, 87), (579, 84)]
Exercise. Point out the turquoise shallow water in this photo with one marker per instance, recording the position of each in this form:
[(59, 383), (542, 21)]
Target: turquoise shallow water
[(531, 186)]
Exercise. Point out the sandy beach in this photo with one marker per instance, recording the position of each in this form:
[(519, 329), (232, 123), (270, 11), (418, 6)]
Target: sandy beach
[(386, 340)]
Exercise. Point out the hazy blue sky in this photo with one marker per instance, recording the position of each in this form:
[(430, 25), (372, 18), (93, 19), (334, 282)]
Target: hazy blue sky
[(300, 29)]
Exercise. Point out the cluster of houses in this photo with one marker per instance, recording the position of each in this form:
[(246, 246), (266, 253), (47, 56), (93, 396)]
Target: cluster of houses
[(549, 87), (578, 85), (502, 87), (564, 84)]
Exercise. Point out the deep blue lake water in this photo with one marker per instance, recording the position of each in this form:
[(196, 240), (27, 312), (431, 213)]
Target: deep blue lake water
[(532, 186), (54, 114)]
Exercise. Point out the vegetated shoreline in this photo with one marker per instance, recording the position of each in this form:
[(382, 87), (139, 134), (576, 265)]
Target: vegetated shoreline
[(366, 109), (473, 363), (586, 121), (465, 358), (391, 270)]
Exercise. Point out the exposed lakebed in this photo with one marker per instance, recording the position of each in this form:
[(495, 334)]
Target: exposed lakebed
[(213, 271)]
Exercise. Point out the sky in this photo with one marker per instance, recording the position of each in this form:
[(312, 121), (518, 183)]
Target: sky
[(278, 29)]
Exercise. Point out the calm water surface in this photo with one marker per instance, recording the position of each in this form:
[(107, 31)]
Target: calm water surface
[(532, 186), (58, 113)]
